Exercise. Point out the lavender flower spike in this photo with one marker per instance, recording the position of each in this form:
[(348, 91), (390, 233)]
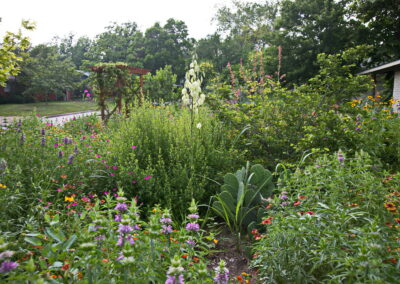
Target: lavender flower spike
[(7, 266)]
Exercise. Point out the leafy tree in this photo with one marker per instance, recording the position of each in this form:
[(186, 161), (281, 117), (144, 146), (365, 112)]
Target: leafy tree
[(11, 52), (161, 85), (168, 45), (306, 28), (248, 22), (119, 43), (382, 18), (77, 50), (46, 72)]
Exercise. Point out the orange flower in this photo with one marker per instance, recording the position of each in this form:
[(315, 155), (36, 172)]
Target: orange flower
[(397, 220), (195, 259), (105, 260), (184, 255), (296, 203), (53, 276), (64, 176), (301, 197), (215, 241)]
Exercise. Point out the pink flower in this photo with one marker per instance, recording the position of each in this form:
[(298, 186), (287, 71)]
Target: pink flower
[(74, 204), (111, 175), (88, 95), (56, 145), (98, 156), (114, 167), (59, 189), (147, 178), (133, 147), (134, 181)]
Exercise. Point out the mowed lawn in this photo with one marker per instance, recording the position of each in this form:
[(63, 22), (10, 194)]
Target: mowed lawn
[(46, 109)]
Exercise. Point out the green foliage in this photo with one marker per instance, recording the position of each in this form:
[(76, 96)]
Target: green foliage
[(11, 52), (161, 86), (240, 198), (330, 225), (111, 242), (382, 31), (273, 119), (170, 161), (45, 72)]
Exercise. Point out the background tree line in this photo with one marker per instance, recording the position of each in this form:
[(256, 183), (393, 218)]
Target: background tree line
[(301, 29)]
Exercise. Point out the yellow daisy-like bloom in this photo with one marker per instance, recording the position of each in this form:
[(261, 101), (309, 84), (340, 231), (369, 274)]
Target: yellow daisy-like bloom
[(2, 186), (67, 198)]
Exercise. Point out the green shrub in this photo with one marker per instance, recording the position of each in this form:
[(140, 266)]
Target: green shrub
[(162, 159), (332, 224)]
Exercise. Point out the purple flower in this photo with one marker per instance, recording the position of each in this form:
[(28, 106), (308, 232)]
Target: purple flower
[(340, 157), (100, 238), (191, 243), (118, 218), (66, 140), (56, 145), (166, 229), (43, 132), (120, 241), (165, 220), (7, 266), (121, 207), (172, 280), (283, 197), (285, 203), (60, 154), (193, 216), (76, 149), (124, 229), (43, 141), (70, 159), (358, 128), (192, 227)]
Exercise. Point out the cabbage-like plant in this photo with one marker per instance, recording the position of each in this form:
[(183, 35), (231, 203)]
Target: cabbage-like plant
[(241, 195)]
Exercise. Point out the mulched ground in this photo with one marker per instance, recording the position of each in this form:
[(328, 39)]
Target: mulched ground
[(237, 261)]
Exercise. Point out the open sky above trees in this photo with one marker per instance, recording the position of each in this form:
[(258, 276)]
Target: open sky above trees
[(90, 17)]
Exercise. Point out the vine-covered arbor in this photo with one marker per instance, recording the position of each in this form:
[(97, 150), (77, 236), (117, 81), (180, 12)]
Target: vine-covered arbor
[(114, 80)]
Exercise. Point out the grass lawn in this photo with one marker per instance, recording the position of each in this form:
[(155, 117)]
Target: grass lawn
[(51, 108)]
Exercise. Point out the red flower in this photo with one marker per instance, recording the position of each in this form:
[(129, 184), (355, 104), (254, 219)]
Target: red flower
[(296, 203), (310, 213), (267, 221)]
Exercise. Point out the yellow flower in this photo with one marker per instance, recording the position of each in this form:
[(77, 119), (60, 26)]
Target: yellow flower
[(2, 186), (215, 241), (69, 198)]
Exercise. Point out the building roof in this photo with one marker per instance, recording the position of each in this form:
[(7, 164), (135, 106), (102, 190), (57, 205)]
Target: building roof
[(392, 66)]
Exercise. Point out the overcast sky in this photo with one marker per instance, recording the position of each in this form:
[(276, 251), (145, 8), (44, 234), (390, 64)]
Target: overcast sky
[(89, 17)]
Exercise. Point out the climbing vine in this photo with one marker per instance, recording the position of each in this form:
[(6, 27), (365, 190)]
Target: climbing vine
[(112, 82)]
